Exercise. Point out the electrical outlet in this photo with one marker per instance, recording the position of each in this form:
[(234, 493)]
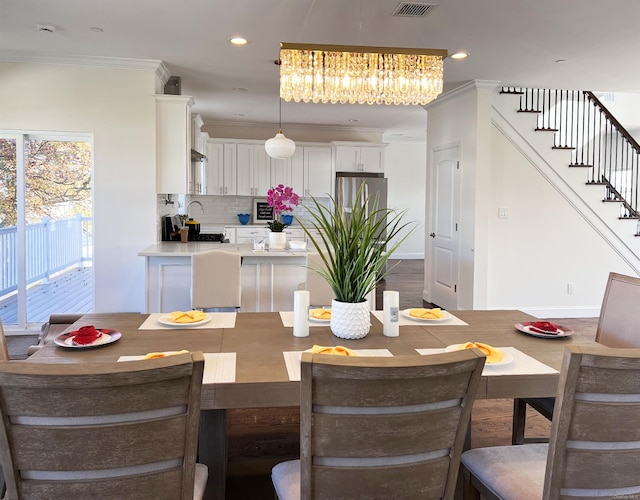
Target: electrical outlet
[(571, 288)]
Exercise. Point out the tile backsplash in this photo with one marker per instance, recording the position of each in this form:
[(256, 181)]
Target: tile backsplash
[(218, 210)]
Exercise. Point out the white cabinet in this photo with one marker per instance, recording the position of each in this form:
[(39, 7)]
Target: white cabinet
[(173, 144), (312, 172), (318, 172), (359, 158), (281, 171), (245, 235), (219, 178)]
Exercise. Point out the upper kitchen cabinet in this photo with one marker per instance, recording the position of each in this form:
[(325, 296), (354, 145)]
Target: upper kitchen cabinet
[(359, 158), (312, 172), (220, 178), (251, 170), (173, 144)]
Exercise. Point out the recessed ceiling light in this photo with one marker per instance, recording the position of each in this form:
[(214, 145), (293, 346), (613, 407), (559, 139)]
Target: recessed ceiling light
[(460, 55), (96, 29), (237, 40)]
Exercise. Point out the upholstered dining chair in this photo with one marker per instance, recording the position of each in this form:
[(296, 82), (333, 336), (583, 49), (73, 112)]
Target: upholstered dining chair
[(381, 428), (121, 431), (320, 293), (594, 450), (617, 327), (216, 282)]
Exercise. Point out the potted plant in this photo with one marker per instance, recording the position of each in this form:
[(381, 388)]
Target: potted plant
[(355, 250), (282, 199)]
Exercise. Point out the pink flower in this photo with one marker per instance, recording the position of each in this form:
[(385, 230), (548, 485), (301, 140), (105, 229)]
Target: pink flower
[(282, 199)]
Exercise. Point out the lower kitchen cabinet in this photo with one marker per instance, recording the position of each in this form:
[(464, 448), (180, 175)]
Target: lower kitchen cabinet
[(268, 280)]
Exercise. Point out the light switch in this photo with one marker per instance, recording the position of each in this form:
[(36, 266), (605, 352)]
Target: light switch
[(503, 213)]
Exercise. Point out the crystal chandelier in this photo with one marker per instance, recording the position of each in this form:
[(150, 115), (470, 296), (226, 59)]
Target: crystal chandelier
[(348, 74)]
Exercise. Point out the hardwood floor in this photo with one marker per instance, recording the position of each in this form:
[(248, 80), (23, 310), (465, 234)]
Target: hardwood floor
[(259, 439)]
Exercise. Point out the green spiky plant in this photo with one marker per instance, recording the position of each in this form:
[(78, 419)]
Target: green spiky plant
[(353, 252)]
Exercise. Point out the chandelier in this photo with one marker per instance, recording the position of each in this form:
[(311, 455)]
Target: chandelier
[(350, 74)]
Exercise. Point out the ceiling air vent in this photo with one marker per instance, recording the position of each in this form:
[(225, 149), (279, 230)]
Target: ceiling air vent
[(408, 9)]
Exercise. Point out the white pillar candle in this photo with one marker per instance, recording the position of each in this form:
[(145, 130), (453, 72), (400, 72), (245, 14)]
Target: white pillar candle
[(391, 321), (301, 313)]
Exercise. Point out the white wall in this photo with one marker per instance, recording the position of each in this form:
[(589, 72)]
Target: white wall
[(527, 260), (116, 106), (405, 167)]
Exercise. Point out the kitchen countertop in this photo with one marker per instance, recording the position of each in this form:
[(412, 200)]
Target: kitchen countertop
[(177, 249)]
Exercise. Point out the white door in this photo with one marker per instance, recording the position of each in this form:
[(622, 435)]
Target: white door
[(443, 239)]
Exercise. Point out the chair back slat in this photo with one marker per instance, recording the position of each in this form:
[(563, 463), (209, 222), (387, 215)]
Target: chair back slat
[(110, 427), (595, 440), (385, 427)]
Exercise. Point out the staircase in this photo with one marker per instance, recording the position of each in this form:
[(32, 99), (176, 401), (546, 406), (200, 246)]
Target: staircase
[(582, 124), (600, 176)]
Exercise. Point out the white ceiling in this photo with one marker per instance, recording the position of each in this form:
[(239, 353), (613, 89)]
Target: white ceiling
[(516, 42)]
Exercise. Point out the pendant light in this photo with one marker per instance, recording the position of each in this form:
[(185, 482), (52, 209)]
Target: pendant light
[(280, 147)]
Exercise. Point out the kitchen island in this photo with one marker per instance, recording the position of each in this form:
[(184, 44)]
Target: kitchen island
[(269, 278)]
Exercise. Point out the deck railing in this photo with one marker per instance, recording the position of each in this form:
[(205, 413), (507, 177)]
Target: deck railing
[(52, 246)]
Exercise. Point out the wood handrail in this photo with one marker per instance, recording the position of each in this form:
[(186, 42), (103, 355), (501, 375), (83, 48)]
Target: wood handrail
[(614, 122)]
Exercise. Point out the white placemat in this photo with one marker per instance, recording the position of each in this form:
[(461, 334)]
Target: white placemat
[(404, 321), (219, 367), (218, 320), (292, 359), (287, 320), (522, 363)]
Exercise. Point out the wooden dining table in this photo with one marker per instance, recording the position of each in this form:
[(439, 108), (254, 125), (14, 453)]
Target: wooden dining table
[(261, 377)]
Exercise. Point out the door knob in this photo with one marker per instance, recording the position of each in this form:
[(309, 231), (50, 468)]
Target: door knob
[(433, 235)]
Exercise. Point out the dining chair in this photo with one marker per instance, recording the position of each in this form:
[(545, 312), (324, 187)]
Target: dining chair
[(4, 350), (594, 449), (58, 322), (381, 427), (216, 281), (617, 327), (320, 293), (121, 431)]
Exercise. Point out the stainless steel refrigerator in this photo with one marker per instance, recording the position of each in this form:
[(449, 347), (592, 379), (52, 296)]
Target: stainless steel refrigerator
[(347, 185)]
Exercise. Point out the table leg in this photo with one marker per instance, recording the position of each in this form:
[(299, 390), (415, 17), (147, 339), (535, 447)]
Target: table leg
[(212, 451)]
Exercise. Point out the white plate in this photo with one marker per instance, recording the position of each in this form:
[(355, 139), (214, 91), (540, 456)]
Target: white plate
[(445, 316), (506, 357), (108, 336), (166, 320), (319, 320), (525, 328)]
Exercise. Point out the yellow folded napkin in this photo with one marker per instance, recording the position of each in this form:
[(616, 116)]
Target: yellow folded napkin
[(493, 355), (187, 316), (434, 313), (321, 313), (154, 355), (337, 350)]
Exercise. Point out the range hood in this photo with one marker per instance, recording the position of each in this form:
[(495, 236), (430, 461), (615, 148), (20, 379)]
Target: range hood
[(195, 156)]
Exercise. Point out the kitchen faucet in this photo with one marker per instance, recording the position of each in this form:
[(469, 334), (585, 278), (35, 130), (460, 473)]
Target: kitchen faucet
[(191, 203)]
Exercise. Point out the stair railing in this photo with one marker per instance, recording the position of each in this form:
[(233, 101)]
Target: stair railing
[(599, 143)]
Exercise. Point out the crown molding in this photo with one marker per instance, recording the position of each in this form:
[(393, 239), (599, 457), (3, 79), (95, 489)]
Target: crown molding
[(465, 88), (288, 126), (154, 65)]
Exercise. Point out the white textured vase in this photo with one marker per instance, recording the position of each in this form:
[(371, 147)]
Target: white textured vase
[(350, 320), (277, 241)]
